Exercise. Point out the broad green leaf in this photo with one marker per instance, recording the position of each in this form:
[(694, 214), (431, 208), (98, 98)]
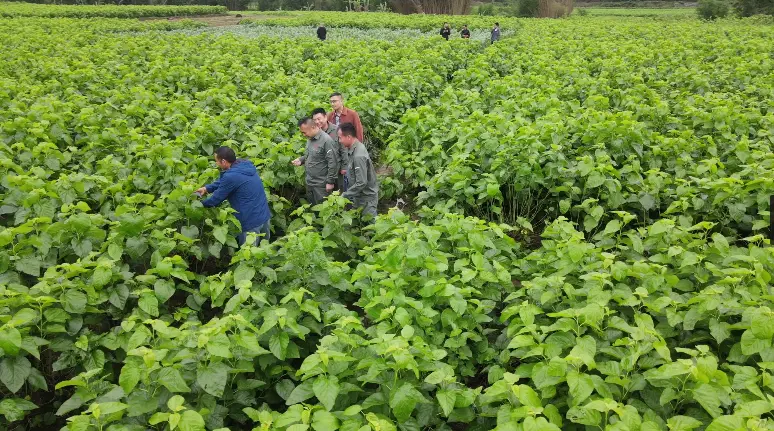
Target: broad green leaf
[(118, 296), (581, 386), (595, 180), (284, 388), (79, 423), (661, 226), (527, 396), (584, 351), (115, 251), (10, 341), (324, 421), (111, 407), (70, 404), (36, 380), (176, 403), (164, 289), (28, 265), (191, 421), (220, 233), (521, 341), (244, 273), (707, 395), (727, 423), (326, 389), (14, 371), (158, 418), (446, 399), (754, 409), (174, 420), (172, 380), (212, 378), (149, 304), (353, 410), (130, 376), (403, 400), (101, 276), (136, 247), (73, 301), (190, 231), (300, 393), (14, 409), (751, 344), (220, 346), (278, 344), (762, 324), (22, 317)]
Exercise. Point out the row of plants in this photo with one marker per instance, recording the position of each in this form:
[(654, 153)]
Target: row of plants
[(617, 125), (18, 9), (375, 20), (254, 29), (439, 322)]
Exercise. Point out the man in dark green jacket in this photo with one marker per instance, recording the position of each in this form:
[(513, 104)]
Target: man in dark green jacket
[(321, 160), (363, 187)]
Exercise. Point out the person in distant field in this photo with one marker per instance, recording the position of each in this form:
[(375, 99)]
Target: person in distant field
[(465, 33), (321, 160), (321, 120), (241, 184), (322, 32), (364, 187), (496, 32), (341, 115), (446, 31)]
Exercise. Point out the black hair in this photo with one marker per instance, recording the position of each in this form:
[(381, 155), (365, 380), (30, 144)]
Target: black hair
[(337, 94), (319, 111), (497, 24), (225, 153), (348, 129), (305, 120)]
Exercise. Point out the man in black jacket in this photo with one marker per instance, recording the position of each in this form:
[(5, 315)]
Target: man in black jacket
[(465, 33), (446, 31), (322, 32)]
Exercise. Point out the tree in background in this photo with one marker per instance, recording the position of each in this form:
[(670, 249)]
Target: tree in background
[(447, 7), (754, 7), (554, 8), (712, 9)]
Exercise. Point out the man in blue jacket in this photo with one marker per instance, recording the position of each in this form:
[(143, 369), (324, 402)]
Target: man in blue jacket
[(240, 183)]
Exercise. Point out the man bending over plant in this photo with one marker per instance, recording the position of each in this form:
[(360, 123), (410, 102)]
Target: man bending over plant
[(363, 187), (321, 160), (241, 184)]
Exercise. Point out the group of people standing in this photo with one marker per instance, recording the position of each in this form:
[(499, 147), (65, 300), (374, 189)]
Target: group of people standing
[(446, 32), (335, 160)]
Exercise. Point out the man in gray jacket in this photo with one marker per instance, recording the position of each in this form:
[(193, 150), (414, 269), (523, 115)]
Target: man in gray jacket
[(321, 160), (320, 118), (496, 32), (363, 187)]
